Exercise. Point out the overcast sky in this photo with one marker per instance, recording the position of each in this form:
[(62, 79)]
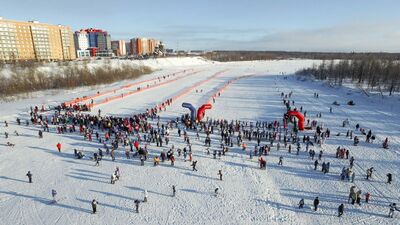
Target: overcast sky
[(303, 25)]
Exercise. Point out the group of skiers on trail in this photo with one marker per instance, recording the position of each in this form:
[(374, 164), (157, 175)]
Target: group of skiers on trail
[(136, 133)]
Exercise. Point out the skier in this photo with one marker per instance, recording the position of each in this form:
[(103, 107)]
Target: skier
[(145, 196), (220, 174), (353, 176), (54, 193), (386, 144), (29, 175), (137, 205), (369, 172), (280, 160), (194, 165), (173, 190), (389, 178), (94, 205), (59, 147), (301, 203), (340, 210), (97, 161), (316, 203), (216, 191)]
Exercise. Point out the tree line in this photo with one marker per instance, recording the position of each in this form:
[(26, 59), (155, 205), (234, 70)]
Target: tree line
[(375, 74), (226, 56), (23, 79)]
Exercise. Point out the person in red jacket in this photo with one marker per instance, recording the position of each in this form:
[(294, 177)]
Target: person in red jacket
[(59, 147), (136, 144)]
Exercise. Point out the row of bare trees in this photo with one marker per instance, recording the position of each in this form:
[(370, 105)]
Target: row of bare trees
[(225, 56), (29, 79), (375, 74)]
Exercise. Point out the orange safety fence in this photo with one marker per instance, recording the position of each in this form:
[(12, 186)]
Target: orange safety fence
[(77, 100)]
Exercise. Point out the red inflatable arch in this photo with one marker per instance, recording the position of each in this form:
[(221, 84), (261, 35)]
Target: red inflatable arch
[(299, 116), (201, 111)]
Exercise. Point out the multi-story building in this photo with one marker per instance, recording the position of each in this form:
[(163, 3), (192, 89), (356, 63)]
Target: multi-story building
[(81, 39), (103, 41), (35, 41), (128, 48), (95, 42), (118, 47), (145, 46)]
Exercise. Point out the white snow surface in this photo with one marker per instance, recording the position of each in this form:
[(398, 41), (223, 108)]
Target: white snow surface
[(247, 194)]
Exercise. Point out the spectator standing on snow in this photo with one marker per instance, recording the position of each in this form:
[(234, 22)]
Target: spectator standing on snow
[(94, 205), (54, 194), (341, 209), (389, 178), (316, 203), (29, 175), (220, 174)]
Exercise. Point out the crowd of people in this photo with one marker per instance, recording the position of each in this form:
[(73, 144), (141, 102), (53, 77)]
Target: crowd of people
[(144, 136)]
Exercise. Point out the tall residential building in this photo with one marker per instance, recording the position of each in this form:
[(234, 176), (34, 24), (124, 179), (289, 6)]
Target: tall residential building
[(93, 36), (118, 47), (128, 48), (136, 47), (81, 40), (35, 41), (103, 41)]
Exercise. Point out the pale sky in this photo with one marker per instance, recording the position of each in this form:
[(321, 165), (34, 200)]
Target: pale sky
[(291, 25)]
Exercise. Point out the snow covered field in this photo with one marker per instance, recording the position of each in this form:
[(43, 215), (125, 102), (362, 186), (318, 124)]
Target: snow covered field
[(247, 194)]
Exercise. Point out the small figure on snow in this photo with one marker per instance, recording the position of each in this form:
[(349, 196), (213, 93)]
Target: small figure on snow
[(54, 194), (29, 175), (220, 174), (94, 205), (316, 203), (301, 203), (137, 205), (340, 210)]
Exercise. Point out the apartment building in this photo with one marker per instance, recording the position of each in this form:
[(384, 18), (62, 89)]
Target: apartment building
[(118, 47), (35, 41)]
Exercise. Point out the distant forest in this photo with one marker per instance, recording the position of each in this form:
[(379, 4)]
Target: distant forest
[(376, 74), (226, 56)]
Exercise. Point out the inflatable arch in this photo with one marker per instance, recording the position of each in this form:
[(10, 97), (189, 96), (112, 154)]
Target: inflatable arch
[(299, 116), (191, 108), (201, 111)]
